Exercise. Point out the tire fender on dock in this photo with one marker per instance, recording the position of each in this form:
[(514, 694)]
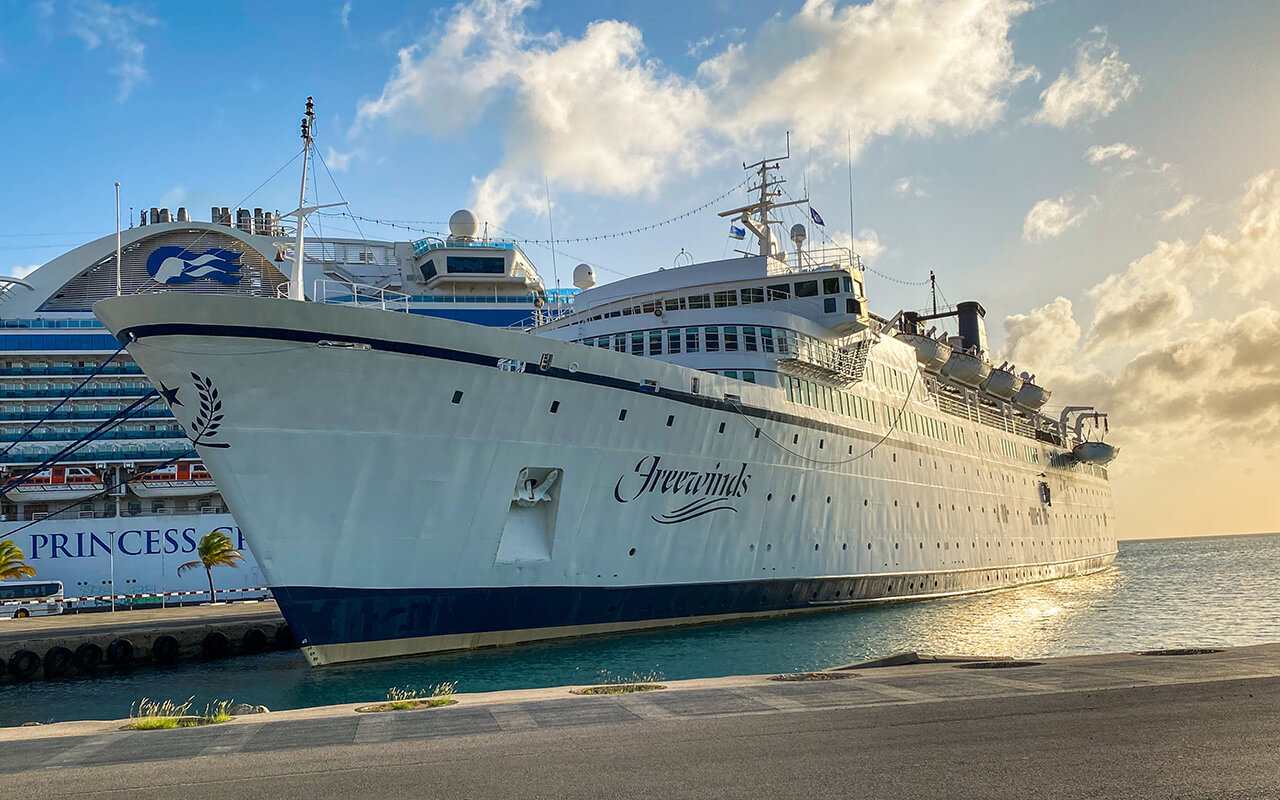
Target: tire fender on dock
[(284, 638), (58, 662), (120, 653), (23, 664), (88, 657), (215, 645), (164, 650), (254, 641)]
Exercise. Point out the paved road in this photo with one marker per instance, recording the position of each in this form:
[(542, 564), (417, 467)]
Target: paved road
[(1204, 726), (106, 623)]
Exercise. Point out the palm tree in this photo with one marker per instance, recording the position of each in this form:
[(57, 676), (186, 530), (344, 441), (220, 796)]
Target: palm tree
[(215, 550), (13, 563)]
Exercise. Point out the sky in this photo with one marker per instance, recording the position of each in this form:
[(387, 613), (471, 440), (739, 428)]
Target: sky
[(1102, 176)]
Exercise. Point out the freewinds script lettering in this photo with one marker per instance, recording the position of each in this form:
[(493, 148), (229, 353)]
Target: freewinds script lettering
[(708, 491)]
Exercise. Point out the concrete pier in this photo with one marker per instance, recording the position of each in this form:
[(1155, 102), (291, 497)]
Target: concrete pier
[(128, 639), (1202, 725)]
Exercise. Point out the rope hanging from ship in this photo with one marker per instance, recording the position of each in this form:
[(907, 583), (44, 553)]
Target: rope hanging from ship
[(901, 411)]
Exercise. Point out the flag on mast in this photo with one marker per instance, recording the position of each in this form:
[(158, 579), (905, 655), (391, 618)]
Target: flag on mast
[(817, 218), (736, 232)]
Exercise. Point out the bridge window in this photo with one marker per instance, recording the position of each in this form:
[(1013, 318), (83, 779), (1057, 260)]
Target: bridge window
[(753, 294), (726, 299), (831, 286), (806, 288), (700, 301), (488, 265), (779, 291)]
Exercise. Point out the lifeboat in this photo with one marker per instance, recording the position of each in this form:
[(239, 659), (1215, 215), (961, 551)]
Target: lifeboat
[(1094, 453), (966, 369), (1032, 396), (1003, 384), (56, 484), (931, 353), (175, 480)]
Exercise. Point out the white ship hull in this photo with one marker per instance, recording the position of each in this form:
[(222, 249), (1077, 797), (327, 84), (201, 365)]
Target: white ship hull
[(380, 500)]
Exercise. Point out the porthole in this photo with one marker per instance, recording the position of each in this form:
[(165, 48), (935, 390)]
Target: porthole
[(630, 552), (868, 545), (821, 443), (751, 548), (622, 415), (828, 499), (769, 497), (864, 502), (815, 547), (844, 546), (457, 398), (922, 545), (793, 498), (895, 503), (768, 547), (795, 439), (671, 418), (721, 427), (555, 406)]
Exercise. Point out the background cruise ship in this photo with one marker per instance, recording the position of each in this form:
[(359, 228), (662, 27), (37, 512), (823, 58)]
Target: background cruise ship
[(134, 536)]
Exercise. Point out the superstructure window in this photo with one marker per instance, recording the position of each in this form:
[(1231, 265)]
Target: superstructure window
[(731, 338), (806, 288), (487, 265), (700, 301), (726, 299), (620, 342), (752, 294), (779, 291), (711, 337), (673, 340), (749, 342), (848, 283), (637, 344), (428, 269), (831, 286), (655, 343), (691, 340), (766, 339)]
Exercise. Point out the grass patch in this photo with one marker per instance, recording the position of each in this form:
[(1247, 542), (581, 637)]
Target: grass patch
[(607, 683), (408, 699), (154, 715)]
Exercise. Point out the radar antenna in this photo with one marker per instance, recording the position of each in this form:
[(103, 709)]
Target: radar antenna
[(755, 216)]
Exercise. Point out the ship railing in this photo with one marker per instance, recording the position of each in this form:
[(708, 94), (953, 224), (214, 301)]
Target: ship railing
[(359, 295), (426, 245), (816, 258)]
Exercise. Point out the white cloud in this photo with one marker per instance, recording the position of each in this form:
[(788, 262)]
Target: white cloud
[(867, 245), (908, 186), (597, 114), (696, 49), (344, 14), (1050, 218), (1098, 82), (23, 271), (1104, 152), (98, 23), (339, 161), (1180, 208)]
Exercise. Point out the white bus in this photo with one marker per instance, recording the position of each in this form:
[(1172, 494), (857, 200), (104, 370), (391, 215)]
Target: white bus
[(19, 599)]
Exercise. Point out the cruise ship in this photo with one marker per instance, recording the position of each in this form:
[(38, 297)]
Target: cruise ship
[(729, 439), (102, 489)]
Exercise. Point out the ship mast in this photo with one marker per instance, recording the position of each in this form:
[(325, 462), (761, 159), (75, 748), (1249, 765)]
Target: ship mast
[(755, 216), (301, 212)]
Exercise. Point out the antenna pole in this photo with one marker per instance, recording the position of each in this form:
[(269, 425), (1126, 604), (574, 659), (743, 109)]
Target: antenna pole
[(118, 289), (546, 185), (933, 291), (853, 234), (308, 123)]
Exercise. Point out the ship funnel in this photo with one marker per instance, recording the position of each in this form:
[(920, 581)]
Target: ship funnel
[(973, 328)]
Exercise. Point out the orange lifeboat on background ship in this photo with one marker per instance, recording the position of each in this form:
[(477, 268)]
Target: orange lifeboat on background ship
[(186, 479), (57, 484)]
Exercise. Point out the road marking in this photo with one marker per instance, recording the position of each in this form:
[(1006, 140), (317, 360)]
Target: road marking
[(232, 740), (373, 727), (766, 699), (642, 708), (79, 752), (513, 719)]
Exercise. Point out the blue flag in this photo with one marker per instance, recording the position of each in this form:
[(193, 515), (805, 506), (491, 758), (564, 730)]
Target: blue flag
[(737, 233), (817, 218)]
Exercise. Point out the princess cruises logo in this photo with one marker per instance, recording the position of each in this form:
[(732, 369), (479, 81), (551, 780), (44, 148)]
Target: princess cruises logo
[(695, 493), (174, 266)]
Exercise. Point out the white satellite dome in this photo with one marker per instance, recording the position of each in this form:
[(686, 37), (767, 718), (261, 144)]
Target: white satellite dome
[(584, 277), (798, 233), (463, 224)]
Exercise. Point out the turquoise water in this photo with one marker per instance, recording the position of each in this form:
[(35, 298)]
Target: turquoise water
[(1209, 591)]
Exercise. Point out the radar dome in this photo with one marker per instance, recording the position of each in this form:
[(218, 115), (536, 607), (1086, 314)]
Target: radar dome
[(798, 233), (463, 224), (584, 277)]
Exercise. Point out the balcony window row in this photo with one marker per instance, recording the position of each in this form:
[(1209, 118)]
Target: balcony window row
[(708, 339), (729, 298)]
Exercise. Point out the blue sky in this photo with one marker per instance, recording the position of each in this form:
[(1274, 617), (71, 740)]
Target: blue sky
[(1034, 154)]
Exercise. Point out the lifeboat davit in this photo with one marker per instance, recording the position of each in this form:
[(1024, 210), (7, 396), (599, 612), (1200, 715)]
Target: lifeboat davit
[(931, 353), (57, 484), (1003, 384), (1032, 396), (966, 369), (175, 480), (1094, 453)]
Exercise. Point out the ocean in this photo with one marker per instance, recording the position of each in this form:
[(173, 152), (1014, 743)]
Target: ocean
[(1210, 591)]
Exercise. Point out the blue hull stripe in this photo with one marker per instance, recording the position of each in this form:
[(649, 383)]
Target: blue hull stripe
[(322, 616)]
